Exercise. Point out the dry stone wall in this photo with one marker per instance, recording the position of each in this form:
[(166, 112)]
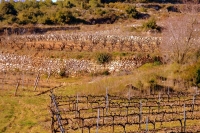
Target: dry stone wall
[(13, 62)]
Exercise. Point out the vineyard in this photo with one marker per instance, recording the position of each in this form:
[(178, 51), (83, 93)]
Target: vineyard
[(162, 112), (75, 51), (111, 40), (116, 68)]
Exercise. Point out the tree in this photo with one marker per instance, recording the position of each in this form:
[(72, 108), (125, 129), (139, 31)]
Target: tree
[(63, 17), (7, 8), (180, 38), (48, 3), (29, 16), (68, 4), (19, 6), (31, 3)]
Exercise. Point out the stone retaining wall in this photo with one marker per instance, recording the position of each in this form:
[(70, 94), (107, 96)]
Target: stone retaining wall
[(12, 62)]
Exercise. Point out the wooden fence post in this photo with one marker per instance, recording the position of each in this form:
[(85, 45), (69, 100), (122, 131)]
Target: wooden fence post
[(147, 125), (107, 102), (159, 102), (17, 88), (184, 118), (3, 77), (97, 120), (49, 74), (76, 105), (193, 103), (168, 93), (36, 81), (140, 115)]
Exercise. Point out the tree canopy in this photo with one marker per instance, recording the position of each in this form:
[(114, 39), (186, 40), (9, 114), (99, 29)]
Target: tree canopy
[(66, 11)]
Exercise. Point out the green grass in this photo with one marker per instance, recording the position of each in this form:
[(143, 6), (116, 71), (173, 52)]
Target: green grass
[(24, 113)]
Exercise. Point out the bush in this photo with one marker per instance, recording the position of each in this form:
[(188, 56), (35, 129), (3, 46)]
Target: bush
[(94, 3), (150, 25), (142, 1), (143, 9), (172, 9), (100, 12), (7, 8), (197, 54), (79, 56), (198, 76), (103, 58), (106, 72), (157, 60), (69, 4), (132, 12), (63, 73)]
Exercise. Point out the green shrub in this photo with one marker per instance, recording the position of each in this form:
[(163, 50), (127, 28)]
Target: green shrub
[(142, 1), (132, 12), (63, 73), (103, 58), (100, 12), (105, 72), (9, 19), (152, 82), (85, 5), (157, 60), (157, 63), (7, 8), (69, 4), (197, 54), (198, 76), (143, 9), (150, 24), (94, 3), (79, 56)]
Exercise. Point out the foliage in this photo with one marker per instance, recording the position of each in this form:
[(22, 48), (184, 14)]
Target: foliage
[(143, 9), (37, 12), (69, 11), (198, 76), (100, 12), (9, 19), (197, 54), (69, 4), (104, 72), (132, 12), (62, 12), (63, 73), (103, 58), (93, 3), (150, 24), (152, 83), (7, 8)]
